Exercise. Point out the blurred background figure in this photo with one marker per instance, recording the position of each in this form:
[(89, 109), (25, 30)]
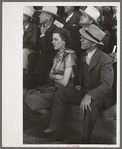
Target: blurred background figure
[(71, 23), (47, 16), (30, 44), (109, 26)]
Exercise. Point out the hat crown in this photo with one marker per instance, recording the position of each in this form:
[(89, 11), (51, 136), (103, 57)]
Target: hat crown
[(28, 10), (95, 32), (93, 12), (50, 9)]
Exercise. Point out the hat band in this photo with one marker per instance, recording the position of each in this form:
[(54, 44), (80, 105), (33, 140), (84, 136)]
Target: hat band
[(92, 36)]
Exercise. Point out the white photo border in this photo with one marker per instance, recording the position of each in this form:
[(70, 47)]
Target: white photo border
[(12, 102)]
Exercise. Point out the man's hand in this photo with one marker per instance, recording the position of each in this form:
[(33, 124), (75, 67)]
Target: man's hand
[(113, 57), (85, 103), (78, 87), (43, 28)]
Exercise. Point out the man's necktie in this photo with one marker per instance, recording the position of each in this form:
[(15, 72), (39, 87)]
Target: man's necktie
[(84, 59)]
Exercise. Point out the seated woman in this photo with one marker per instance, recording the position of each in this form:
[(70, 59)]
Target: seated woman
[(62, 72)]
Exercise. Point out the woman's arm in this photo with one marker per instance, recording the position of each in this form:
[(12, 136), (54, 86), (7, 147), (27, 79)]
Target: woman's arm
[(65, 78), (55, 76), (58, 77), (51, 73)]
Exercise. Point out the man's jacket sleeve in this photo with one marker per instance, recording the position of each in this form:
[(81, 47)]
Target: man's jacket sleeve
[(106, 81)]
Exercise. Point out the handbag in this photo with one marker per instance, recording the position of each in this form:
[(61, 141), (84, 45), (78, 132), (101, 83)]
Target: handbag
[(35, 98)]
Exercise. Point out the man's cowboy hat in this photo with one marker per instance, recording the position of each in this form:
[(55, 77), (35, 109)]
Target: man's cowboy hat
[(50, 9), (93, 33), (92, 12), (29, 11)]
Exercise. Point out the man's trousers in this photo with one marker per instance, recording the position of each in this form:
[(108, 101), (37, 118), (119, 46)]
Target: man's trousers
[(68, 95)]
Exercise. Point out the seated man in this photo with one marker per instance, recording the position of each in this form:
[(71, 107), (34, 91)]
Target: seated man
[(30, 41), (95, 83)]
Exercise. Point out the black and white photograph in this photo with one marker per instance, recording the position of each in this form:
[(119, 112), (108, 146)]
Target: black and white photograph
[(61, 71)]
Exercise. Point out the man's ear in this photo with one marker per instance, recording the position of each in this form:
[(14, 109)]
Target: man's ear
[(94, 44), (90, 21)]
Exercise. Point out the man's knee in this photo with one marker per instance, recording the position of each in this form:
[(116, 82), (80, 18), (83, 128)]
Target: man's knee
[(110, 113)]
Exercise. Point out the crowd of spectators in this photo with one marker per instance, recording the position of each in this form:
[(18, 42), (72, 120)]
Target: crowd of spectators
[(54, 44)]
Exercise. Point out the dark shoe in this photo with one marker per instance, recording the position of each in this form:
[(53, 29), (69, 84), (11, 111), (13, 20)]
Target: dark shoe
[(49, 130), (54, 135)]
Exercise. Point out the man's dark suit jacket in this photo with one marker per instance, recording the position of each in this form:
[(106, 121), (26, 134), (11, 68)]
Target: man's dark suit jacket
[(73, 27), (31, 37), (97, 78)]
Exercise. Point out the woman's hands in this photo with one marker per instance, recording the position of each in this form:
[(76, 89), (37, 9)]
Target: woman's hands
[(54, 77)]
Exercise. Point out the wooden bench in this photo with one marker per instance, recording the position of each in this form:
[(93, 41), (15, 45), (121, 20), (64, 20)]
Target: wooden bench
[(104, 130), (74, 122)]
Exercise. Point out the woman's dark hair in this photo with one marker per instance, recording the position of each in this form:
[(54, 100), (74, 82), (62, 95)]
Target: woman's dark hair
[(65, 35)]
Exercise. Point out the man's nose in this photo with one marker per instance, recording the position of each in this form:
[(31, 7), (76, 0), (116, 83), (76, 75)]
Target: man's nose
[(81, 39)]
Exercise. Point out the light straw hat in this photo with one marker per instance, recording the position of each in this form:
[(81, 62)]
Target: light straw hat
[(92, 12), (93, 33), (29, 11), (50, 9)]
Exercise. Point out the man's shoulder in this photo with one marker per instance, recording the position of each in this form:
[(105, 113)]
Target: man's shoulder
[(76, 16), (33, 27), (104, 57)]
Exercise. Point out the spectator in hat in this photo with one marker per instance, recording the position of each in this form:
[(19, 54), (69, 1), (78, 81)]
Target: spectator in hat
[(71, 23), (30, 42), (47, 52), (94, 86), (89, 16)]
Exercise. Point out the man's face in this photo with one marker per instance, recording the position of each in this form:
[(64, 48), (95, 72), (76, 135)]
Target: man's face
[(25, 17), (106, 9), (68, 8), (85, 43), (84, 19)]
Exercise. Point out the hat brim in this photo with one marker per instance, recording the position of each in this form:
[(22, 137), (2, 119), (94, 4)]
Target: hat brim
[(29, 16), (55, 15), (95, 21), (84, 34)]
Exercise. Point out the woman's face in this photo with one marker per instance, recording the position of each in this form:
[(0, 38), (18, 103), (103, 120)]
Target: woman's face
[(58, 43)]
